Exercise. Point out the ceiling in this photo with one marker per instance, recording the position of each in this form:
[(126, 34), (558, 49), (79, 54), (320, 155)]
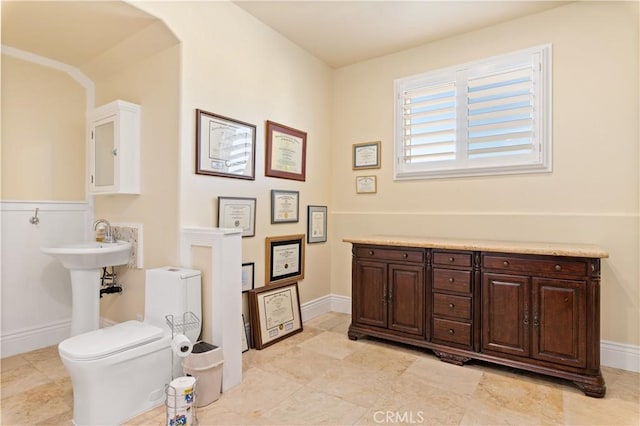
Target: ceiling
[(339, 33)]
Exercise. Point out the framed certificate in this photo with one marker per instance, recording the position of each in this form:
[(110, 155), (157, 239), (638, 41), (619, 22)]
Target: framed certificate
[(284, 206), (248, 276), (286, 150), (366, 184), (238, 213), (284, 259), (366, 155), (275, 313), (224, 147), (316, 224)]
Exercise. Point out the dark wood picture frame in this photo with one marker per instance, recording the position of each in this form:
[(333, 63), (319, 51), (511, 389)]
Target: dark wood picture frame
[(216, 137), (285, 152), (275, 313), (282, 253)]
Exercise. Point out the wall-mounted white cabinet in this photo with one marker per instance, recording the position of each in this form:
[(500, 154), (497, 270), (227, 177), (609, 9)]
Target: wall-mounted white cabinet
[(114, 149)]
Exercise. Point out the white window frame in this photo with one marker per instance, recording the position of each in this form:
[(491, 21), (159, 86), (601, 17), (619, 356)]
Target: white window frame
[(537, 160)]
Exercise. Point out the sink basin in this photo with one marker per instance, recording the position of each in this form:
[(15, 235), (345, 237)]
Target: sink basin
[(84, 261), (90, 254)]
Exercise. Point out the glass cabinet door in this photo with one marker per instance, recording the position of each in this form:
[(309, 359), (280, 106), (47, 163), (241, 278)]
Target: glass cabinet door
[(104, 154)]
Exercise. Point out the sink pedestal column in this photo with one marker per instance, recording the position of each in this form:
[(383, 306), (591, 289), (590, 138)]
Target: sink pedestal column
[(85, 300)]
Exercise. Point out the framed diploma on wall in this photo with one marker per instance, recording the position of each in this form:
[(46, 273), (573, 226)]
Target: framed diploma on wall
[(238, 213), (284, 259), (285, 206), (366, 155), (224, 147), (286, 151), (275, 313), (316, 224), (366, 184)]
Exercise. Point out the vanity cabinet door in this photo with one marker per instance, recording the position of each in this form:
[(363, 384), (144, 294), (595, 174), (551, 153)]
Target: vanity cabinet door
[(370, 298), (559, 321), (506, 314), (406, 298)]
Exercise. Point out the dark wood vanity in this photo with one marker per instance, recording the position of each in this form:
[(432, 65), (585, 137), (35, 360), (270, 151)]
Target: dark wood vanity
[(530, 306)]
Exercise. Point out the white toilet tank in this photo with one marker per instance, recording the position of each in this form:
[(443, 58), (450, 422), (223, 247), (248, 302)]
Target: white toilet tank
[(173, 291)]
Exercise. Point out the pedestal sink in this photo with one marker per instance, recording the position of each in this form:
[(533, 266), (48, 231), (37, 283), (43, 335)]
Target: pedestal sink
[(85, 261)]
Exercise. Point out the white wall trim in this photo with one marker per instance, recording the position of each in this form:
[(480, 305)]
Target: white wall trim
[(73, 72), (30, 339), (620, 355), (612, 354)]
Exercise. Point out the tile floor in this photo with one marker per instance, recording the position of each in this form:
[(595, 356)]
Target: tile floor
[(319, 376)]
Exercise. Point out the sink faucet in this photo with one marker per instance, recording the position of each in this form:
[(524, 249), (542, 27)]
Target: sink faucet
[(108, 234)]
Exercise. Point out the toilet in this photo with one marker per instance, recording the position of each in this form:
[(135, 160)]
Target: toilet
[(121, 371)]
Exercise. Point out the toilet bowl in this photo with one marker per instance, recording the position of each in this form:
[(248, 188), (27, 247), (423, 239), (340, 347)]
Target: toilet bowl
[(121, 371)]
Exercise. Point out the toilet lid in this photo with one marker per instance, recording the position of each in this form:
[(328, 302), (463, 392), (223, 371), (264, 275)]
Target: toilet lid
[(109, 340)]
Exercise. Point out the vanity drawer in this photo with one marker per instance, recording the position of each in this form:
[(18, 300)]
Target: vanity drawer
[(390, 254), (451, 259), (447, 305), (534, 265), (452, 331), (452, 280)]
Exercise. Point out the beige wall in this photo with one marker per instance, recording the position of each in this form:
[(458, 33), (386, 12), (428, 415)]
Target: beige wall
[(590, 197), (235, 66), (153, 83), (43, 133)]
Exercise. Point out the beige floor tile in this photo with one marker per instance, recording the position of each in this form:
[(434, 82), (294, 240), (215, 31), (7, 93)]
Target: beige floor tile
[(331, 344), (36, 405), (42, 354), (53, 368), (357, 384), (331, 322), (299, 365), (521, 395), (448, 377), (583, 410), (311, 407), (622, 384), (12, 362), (17, 380), (382, 358)]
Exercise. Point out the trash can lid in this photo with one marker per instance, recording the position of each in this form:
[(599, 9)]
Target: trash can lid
[(202, 347)]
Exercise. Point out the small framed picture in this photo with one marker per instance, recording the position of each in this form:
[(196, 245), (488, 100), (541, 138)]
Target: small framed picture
[(238, 213), (275, 313), (316, 224), (224, 146), (245, 339), (248, 276), (284, 259), (366, 155), (286, 151), (285, 206), (366, 184)]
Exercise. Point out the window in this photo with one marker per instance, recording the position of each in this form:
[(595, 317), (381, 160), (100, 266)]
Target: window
[(487, 117)]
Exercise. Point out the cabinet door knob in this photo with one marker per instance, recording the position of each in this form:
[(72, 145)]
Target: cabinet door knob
[(451, 305), (557, 268), (451, 332), (451, 280), (370, 252), (505, 263), (405, 255), (452, 259)]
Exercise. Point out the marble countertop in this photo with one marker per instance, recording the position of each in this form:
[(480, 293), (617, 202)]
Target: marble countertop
[(522, 247)]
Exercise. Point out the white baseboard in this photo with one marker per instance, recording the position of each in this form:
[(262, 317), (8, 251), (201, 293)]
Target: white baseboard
[(33, 338), (322, 305), (620, 355)]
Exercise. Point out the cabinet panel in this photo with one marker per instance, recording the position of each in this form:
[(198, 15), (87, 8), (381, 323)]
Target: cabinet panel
[(452, 331), (390, 254), (370, 289), (559, 321), (452, 280), (505, 313), (510, 264), (406, 298), (447, 305)]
